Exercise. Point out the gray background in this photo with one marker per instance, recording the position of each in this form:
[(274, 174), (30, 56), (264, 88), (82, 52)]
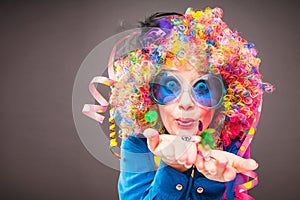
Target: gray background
[(43, 44)]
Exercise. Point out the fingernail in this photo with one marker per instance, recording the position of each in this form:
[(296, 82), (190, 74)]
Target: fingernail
[(253, 164), (227, 179), (180, 162), (187, 166)]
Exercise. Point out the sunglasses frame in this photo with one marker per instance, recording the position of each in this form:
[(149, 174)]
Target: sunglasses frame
[(191, 93)]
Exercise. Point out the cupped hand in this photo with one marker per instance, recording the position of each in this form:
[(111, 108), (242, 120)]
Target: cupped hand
[(222, 166), (179, 152)]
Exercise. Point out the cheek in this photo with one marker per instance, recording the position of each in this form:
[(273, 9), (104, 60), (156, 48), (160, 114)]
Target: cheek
[(165, 113), (206, 116)]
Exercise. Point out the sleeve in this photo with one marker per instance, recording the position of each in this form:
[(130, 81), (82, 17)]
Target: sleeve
[(137, 168), (168, 184), (138, 176)]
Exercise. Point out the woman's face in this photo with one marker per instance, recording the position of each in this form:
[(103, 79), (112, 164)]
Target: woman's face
[(183, 116)]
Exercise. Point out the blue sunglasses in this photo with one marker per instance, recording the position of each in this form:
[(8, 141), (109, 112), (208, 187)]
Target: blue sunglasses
[(208, 90)]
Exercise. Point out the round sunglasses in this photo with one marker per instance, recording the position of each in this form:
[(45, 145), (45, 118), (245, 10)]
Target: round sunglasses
[(207, 90)]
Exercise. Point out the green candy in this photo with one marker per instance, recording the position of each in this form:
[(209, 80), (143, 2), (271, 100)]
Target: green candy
[(207, 138), (151, 116)]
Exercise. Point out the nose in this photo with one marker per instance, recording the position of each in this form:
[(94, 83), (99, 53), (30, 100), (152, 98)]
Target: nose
[(185, 101)]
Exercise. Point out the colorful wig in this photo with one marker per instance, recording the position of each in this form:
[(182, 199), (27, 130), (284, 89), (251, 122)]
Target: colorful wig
[(205, 42)]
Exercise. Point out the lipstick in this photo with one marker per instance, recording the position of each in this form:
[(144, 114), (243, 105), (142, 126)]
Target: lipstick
[(185, 123)]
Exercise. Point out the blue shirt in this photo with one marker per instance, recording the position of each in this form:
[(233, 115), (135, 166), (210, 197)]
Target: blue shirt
[(139, 179)]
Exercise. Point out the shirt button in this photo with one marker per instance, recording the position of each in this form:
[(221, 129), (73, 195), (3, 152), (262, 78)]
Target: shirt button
[(200, 190), (179, 187)]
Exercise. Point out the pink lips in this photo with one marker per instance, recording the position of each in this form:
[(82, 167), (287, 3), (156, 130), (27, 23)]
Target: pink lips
[(185, 123)]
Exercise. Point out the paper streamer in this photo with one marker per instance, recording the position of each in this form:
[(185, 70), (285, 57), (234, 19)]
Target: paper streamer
[(241, 189), (92, 110)]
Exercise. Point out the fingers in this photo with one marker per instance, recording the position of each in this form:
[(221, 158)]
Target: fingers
[(199, 163), (185, 151), (241, 164), (188, 151), (191, 153), (180, 154), (222, 166), (173, 149), (166, 151), (216, 170), (229, 173), (153, 138)]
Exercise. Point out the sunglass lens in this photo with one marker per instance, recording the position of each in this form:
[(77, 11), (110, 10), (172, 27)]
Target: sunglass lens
[(208, 91), (165, 88)]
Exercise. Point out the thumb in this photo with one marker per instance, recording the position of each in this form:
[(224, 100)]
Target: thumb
[(153, 138)]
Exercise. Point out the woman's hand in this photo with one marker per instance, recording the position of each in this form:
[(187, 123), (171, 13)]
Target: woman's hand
[(222, 166), (179, 152)]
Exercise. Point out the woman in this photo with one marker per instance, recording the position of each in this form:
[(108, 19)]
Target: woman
[(190, 95)]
